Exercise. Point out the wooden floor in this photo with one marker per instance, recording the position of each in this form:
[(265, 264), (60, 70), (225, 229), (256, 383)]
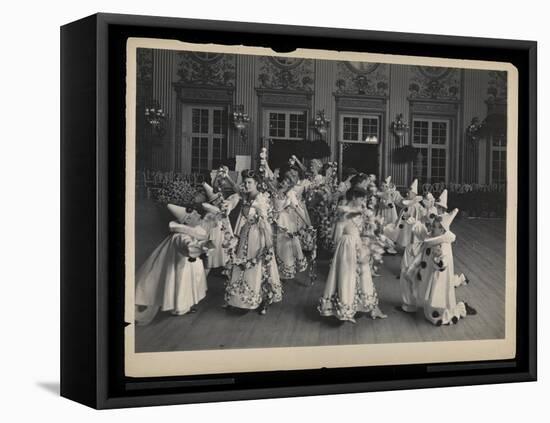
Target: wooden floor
[(479, 252)]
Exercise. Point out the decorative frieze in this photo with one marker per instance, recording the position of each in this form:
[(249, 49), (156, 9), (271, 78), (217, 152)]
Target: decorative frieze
[(195, 93), (210, 69), (358, 102), (434, 107), (286, 73), (284, 98), (434, 82)]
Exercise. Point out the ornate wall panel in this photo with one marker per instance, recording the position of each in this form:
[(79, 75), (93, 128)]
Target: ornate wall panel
[(434, 82), (206, 68), (362, 78), (286, 73)]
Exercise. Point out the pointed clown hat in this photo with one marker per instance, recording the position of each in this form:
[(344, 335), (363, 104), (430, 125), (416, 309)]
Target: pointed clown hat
[(414, 186), (209, 191), (415, 200), (442, 200), (210, 208), (179, 212), (447, 219)]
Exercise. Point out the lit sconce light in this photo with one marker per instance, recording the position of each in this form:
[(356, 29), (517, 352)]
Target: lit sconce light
[(321, 123), (371, 139), (241, 121), (155, 116), (399, 127)]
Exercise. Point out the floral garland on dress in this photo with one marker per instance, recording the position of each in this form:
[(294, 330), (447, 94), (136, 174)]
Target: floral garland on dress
[(345, 311)]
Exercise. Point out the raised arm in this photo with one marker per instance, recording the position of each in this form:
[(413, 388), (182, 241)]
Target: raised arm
[(233, 184), (299, 163)]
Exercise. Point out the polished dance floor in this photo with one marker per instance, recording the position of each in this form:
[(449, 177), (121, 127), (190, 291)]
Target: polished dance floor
[(479, 252)]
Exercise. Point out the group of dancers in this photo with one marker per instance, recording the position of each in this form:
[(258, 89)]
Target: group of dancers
[(285, 215)]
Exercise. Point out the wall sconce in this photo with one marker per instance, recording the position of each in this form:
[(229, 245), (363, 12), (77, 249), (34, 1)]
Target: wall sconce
[(473, 129), (155, 116), (321, 123), (399, 127), (241, 121)]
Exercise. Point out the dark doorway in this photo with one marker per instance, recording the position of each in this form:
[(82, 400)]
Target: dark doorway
[(362, 157), (281, 150)]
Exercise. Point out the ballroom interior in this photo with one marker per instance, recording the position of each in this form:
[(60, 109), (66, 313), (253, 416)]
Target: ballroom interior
[(197, 110), (445, 126)]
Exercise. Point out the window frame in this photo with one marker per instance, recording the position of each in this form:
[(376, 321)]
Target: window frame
[(210, 135), (430, 146), (287, 113), (492, 149), (359, 116)]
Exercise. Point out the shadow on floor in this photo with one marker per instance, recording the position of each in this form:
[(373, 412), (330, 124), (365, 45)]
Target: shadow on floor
[(51, 387)]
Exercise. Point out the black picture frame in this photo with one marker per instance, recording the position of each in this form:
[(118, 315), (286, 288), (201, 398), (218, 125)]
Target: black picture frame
[(92, 214)]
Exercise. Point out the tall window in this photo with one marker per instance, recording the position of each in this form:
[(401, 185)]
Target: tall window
[(359, 128), (498, 159), (287, 125), (208, 138), (431, 137)]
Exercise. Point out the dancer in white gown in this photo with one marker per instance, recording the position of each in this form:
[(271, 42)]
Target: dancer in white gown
[(288, 218), (173, 278), (218, 225), (349, 287), (254, 277)]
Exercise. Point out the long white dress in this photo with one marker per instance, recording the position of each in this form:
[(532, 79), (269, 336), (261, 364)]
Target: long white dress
[(300, 190), (218, 226), (254, 277), (437, 291), (288, 248), (349, 287), (172, 278)]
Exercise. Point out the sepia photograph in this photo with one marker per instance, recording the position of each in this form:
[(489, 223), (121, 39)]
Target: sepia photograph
[(316, 209)]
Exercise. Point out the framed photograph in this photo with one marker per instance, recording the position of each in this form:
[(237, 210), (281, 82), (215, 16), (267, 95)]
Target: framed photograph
[(277, 211)]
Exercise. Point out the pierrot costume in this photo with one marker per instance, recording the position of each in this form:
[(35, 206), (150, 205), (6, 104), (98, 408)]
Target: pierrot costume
[(412, 208), (436, 273), (172, 278)]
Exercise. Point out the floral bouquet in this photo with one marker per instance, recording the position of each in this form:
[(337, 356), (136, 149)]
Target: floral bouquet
[(177, 192)]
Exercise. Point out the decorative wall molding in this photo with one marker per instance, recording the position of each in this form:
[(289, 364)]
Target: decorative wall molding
[(362, 78), (360, 102), (196, 93), (286, 73), (433, 107), (211, 69), (284, 98), (434, 82), (144, 67), (497, 87)]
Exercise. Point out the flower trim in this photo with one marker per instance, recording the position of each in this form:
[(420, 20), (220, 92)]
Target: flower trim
[(289, 271), (334, 306)]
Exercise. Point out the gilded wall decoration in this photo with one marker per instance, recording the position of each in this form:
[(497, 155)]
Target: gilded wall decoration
[(434, 82), (213, 69), (497, 88), (362, 78), (286, 73), (144, 66)]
